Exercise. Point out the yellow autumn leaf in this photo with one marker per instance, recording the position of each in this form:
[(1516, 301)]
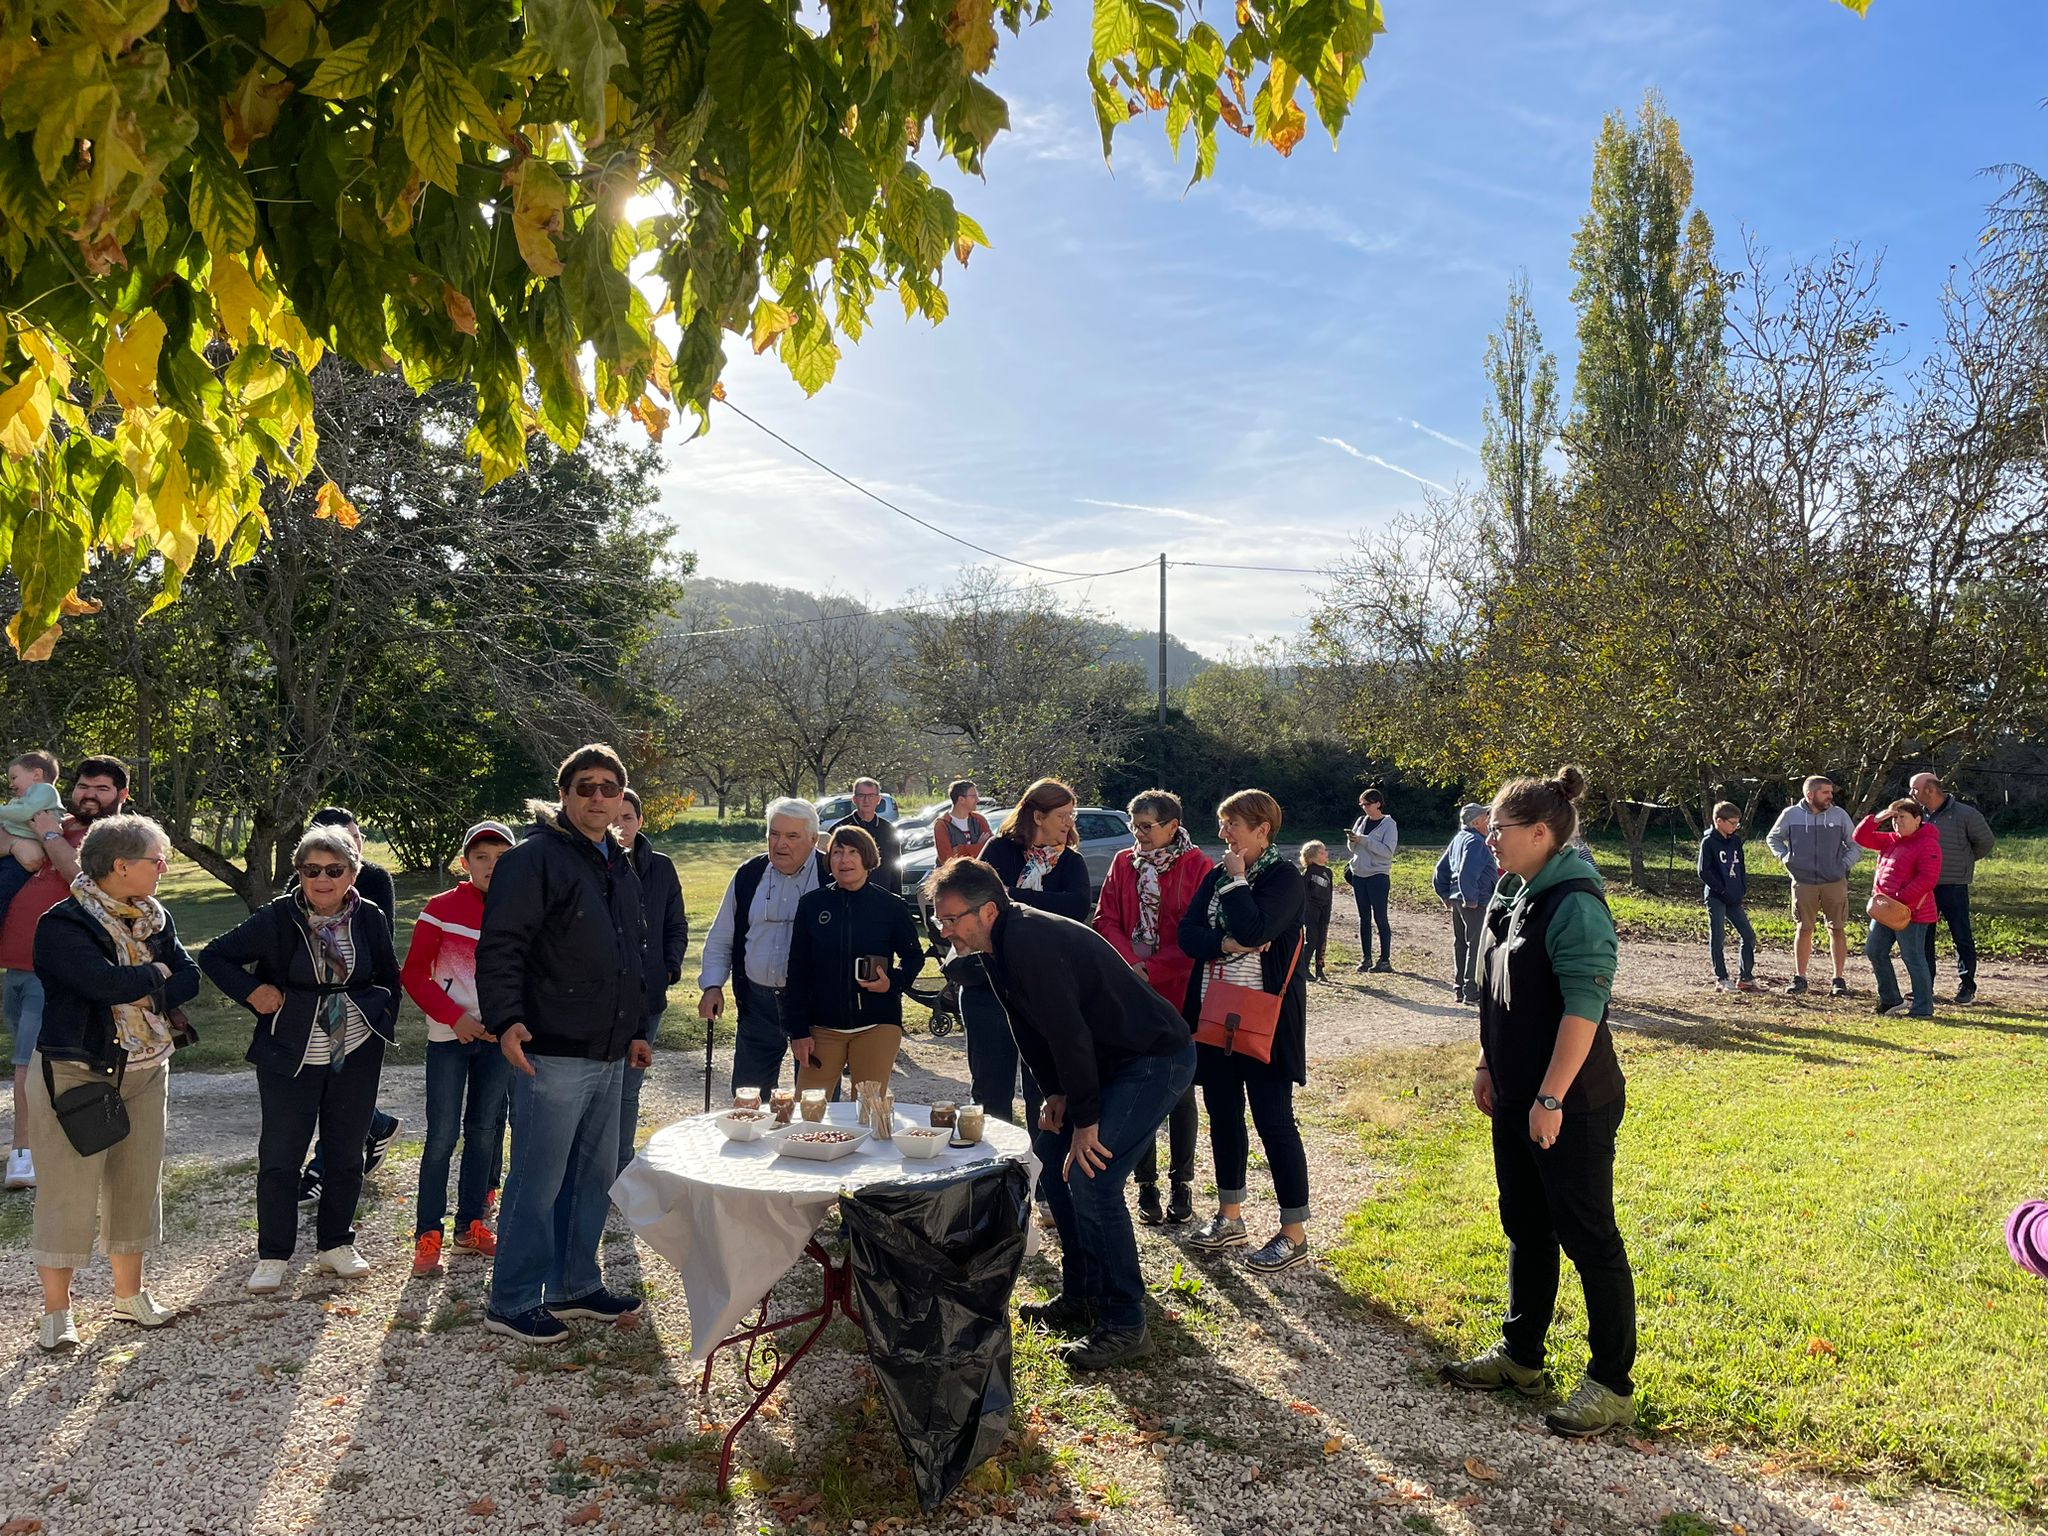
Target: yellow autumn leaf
[(45, 645), (243, 306), (24, 415), (72, 606), (331, 503), (130, 362), (538, 202), (53, 365)]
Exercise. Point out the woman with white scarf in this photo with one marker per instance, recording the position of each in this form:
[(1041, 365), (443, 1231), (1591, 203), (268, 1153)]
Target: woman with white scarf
[(1143, 899), (113, 973)]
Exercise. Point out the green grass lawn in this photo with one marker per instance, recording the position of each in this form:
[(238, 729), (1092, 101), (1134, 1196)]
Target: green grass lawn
[(1814, 1205)]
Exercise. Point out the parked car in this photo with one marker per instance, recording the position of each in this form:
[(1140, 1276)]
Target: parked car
[(838, 807), (1104, 834)]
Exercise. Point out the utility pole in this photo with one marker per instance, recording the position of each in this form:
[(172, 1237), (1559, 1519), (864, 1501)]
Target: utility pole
[(1162, 639)]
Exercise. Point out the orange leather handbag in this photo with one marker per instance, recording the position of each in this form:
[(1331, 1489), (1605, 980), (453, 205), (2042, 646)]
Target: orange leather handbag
[(1241, 1021)]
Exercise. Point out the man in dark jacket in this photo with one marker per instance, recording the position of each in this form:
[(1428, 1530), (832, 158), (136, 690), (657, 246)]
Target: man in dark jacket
[(867, 815), (1113, 1057), (668, 940), (1965, 838), (563, 979)]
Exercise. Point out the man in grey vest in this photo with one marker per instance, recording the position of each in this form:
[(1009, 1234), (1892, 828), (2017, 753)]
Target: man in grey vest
[(748, 945), (1965, 838)]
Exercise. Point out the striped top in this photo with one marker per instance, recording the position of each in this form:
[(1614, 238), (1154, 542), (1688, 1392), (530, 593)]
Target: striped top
[(357, 1031)]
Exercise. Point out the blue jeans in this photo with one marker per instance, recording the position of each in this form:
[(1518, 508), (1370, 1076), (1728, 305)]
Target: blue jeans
[(629, 1095), (12, 878), (1372, 893), (1952, 903), (21, 995), (1098, 1250), (1720, 918), (1229, 1084), (468, 1086), (993, 1062), (759, 1043), (565, 1144), (1913, 945)]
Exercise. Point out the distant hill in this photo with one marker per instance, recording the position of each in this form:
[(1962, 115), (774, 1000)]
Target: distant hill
[(758, 602)]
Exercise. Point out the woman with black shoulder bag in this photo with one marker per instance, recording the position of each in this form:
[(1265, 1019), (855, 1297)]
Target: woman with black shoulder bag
[(113, 975)]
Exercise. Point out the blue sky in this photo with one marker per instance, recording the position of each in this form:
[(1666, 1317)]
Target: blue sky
[(1259, 368)]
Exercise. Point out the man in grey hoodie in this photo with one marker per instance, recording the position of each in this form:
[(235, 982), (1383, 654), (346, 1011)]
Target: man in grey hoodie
[(1965, 838), (1815, 841)]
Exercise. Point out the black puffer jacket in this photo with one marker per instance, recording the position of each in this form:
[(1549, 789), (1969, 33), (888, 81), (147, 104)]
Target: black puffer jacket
[(83, 980), (832, 929), (564, 948), (668, 925), (272, 946)]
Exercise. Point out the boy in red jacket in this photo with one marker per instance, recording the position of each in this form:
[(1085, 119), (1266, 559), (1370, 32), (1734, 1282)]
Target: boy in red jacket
[(1148, 888), (1908, 869), (469, 1082)]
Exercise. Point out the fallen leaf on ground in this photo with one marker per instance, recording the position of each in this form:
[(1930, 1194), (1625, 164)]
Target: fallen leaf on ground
[(1333, 1445), (1300, 1407), (483, 1506), (336, 1401), (558, 1447), (21, 1526), (1818, 1346), (1645, 1447), (1469, 1501), (587, 1515), (1474, 1467), (556, 1411)]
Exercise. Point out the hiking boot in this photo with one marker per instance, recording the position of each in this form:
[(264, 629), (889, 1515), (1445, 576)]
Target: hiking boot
[(600, 1306), (1839, 987), (1795, 986), (1590, 1410), (426, 1253), (1180, 1204), (1218, 1233), (477, 1238), (1061, 1314), (1150, 1211), (143, 1310), (1491, 1371), (1966, 994), (536, 1326), (1107, 1348), (1281, 1252)]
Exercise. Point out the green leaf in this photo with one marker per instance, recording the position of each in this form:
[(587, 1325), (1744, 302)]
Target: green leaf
[(745, 36), (346, 72), (446, 75), (816, 221), (49, 559), (357, 302), (578, 36), (25, 201), (778, 114), (431, 120), (673, 45), (1116, 29), (808, 351), (223, 211)]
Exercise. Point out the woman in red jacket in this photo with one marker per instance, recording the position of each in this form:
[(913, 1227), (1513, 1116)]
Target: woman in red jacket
[(1147, 890), (1908, 867)]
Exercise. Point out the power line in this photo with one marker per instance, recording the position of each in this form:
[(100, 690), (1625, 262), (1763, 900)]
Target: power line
[(851, 484), (1218, 565)]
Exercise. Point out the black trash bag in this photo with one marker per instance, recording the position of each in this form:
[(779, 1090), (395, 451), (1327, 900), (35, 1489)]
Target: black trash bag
[(934, 1263)]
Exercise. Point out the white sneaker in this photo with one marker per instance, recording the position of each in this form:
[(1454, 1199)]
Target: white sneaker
[(143, 1310), (58, 1331), (343, 1263), (267, 1276), (21, 1172)]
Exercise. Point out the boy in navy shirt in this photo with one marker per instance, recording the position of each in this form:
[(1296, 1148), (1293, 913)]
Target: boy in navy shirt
[(1726, 883)]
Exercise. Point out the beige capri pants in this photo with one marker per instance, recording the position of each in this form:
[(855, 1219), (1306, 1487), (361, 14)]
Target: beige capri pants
[(117, 1193)]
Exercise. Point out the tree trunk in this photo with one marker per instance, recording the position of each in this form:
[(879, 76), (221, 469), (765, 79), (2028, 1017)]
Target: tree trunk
[(1634, 821)]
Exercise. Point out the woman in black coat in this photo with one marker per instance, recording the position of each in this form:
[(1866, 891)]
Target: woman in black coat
[(1244, 925), (1036, 855), (317, 969), (834, 1016)]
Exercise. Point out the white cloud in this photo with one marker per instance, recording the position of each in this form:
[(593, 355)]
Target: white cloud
[(1442, 437), (1375, 459), (1173, 512)]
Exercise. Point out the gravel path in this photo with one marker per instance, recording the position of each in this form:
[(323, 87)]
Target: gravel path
[(1276, 1406)]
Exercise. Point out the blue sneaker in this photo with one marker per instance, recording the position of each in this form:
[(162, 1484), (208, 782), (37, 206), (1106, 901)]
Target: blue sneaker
[(599, 1306), (536, 1326)]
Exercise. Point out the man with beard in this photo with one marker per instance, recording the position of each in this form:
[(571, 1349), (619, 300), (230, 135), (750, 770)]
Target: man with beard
[(99, 787)]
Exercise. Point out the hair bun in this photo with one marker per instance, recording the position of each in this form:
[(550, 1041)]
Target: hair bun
[(1570, 781)]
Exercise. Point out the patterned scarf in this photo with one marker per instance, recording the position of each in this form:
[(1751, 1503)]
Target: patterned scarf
[(139, 1030), (1038, 863), (1253, 870), (1152, 865), (335, 966)]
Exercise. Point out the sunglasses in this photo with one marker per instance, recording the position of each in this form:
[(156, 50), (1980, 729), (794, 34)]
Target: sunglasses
[(598, 789), (322, 871)]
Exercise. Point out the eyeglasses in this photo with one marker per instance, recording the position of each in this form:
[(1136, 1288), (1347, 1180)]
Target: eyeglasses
[(597, 789), (322, 871), (1144, 826), (1498, 827), (946, 920), (158, 859)]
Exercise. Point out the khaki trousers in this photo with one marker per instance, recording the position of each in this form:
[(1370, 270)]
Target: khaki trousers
[(117, 1193), (872, 1052)]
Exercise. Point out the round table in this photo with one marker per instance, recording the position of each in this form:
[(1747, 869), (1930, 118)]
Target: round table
[(734, 1216)]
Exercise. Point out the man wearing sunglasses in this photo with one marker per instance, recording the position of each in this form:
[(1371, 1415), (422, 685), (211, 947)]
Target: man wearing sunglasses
[(563, 976)]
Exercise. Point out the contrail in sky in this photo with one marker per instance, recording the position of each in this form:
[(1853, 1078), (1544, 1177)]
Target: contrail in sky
[(1373, 458)]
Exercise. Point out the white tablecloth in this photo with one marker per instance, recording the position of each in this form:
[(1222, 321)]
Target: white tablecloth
[(732, 1217)]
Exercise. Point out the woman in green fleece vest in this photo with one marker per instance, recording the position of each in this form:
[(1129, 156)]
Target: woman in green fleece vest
[(1548, 1079)]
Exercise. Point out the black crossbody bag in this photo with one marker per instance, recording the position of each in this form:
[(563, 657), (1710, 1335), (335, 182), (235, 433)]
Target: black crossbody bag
[(94, 1115)]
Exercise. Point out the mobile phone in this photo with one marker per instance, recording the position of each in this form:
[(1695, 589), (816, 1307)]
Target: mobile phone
[(866, 968)]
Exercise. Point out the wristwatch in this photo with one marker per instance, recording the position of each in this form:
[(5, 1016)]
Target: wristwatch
[(51, 837), (1547, 1102)]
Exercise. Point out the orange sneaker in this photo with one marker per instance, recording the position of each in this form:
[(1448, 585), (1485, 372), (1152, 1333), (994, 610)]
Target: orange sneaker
[(426, 1253), (477, 1238)]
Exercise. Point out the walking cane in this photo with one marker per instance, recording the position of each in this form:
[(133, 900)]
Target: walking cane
[(709, 1025)]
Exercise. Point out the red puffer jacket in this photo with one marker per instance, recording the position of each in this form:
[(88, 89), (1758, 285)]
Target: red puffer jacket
[(1116, 917), (1907, 867)]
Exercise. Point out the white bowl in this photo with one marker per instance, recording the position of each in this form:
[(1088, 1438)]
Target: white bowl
[(746, 1130), (789, 1142), (920, 1141)]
